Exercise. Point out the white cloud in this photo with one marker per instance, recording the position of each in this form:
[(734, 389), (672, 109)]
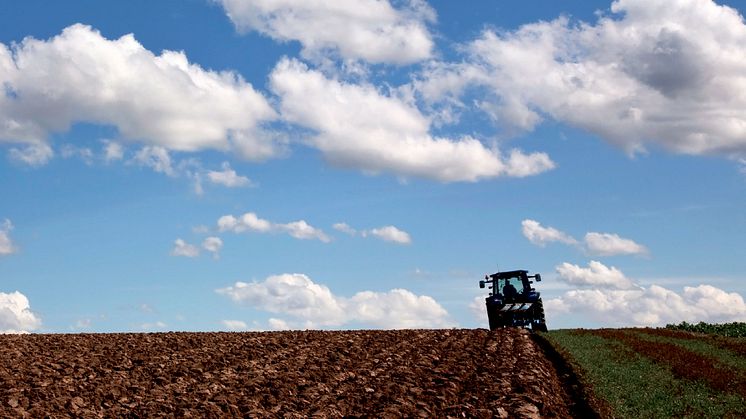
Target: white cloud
[(397, 309), (153, 326), (292, 294), (16, 315), (652, 306), (213, 245), (595, 275), (6, 244), (113, 151), (344, 228), (200, 229), (368, 30), (210, 244), (606, 244), (35, 154), (540, 235), (82, 324), (669, 74), (159, 100), (234, 324), (302, 230), (182, 248), (145, 308), (478, 309), (615, 300), (386, 233), (278, 324), (597, 244), (228, 177), (69, 151), (247, 222), (315, 305), (251, 222), (157, 158), (391, 234), (359, 127)]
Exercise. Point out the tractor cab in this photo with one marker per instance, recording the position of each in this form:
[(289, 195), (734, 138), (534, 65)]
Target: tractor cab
[(512, 286)]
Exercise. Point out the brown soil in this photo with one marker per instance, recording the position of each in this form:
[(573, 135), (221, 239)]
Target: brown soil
[(408, 373)]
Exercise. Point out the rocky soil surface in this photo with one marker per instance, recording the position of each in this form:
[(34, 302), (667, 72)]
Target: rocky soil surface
[(403, 373)]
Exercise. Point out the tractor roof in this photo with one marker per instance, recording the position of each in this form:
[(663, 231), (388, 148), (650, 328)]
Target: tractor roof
[(508, 274)]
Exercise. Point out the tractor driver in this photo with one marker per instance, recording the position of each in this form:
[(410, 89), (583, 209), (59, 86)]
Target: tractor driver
[(509, 291)]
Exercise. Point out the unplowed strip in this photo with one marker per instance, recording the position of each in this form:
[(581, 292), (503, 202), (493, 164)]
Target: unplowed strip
[(735, 345), (407, 373), (682, 362)]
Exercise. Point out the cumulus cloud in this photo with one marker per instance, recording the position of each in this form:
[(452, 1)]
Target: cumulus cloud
[(367, 30), (292, 294), (228, 177), (398, 309), (250, 222), (597, 244), (81, 324), (69, 151), (157, 158), (344, 228), (16, 315), (213, 245), (35, 154), (314, 305), (386, 233), (607, 244), (113, 151), (595, 275), (6, 244), (302, 230), (247, 222), (159, 325), (359, 127), (158, 100), (182, 248), (391, 234), (478, 309), (652, 306), (669, 74), (234, 324), (278, 324), (540, 235)]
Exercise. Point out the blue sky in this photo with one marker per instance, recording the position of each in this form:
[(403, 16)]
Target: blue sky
[(233, 165)]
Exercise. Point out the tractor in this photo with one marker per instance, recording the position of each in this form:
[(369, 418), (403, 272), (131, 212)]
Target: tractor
[(513, 302)]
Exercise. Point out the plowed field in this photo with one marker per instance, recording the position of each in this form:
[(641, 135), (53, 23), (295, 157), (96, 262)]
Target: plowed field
[(413, 373)]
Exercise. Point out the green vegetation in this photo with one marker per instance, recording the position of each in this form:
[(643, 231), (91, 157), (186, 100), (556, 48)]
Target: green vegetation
[(735, 329), (623, 370)]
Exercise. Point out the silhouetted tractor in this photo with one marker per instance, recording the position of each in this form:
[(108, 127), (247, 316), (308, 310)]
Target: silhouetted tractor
[(513, 302)]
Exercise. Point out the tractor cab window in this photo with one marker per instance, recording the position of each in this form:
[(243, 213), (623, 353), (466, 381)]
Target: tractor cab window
[(510, 287)]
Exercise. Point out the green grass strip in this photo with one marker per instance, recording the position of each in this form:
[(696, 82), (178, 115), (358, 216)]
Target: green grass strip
[(636, 387)]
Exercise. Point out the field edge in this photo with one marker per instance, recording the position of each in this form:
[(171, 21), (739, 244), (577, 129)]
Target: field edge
[(580, 396)]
